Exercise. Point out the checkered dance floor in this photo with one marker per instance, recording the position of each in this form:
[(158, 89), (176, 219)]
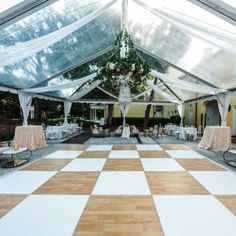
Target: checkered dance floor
[(119, 190)]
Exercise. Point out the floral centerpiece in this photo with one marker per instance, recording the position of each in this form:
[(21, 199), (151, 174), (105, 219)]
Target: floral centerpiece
[(124, 64)]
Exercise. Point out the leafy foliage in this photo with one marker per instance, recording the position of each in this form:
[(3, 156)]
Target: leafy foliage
[(131, 65)]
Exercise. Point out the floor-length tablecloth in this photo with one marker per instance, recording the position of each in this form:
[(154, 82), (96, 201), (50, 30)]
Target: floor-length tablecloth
[(31, 137), (216, 138)]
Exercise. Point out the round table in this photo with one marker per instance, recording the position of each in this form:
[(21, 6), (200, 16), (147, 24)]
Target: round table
[(216, 138), (31, 137), (14, 162)]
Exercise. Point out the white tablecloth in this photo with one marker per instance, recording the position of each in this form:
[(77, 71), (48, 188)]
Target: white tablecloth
[(57, 132), (170, 129), (125, 132), (184, 131), (73, 127)]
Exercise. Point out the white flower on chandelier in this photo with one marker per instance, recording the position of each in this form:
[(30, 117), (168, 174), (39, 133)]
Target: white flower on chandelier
[(112, 66)]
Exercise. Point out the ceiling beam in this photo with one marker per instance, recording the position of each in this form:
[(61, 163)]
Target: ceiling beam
[(218, 8), (22, 10)]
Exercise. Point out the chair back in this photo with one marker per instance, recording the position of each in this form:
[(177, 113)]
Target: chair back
[(43, 126), (199, 128), (160, 131)]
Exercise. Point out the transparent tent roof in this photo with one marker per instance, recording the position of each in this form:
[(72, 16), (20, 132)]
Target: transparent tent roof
[(156, 28)]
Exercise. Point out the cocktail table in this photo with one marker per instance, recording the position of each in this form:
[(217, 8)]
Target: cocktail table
[(14, 162)]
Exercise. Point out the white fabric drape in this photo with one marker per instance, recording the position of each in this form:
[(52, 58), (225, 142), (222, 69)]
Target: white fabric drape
[(209, 33), (85, 91), (181, 113), (185, 85), (124, 107), (124, 18), (164, 94), (223, 105), (25, 104), (67, 107), (18, 52), (68, 85), (124, 98)]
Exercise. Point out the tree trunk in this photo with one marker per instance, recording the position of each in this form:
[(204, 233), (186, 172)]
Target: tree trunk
[(148, 109), (110, 114)]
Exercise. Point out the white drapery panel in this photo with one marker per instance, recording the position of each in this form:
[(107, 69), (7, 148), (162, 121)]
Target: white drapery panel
[(124, 107), (85, 91), (209, 33), (164, 94), (25, 104), (67, 107), (68, 85), (185, 85), (181, 113), (223, 101), (16, 53)]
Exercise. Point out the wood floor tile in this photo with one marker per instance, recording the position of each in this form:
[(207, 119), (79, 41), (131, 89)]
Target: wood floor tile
[(7, 202), (174, 147), (199, 165), (75, 147), (94, 154), (124, 147), (123, 164), (177, 183), (153, 154), (229, 201), (69, 183), (47, 165), (113, 216)]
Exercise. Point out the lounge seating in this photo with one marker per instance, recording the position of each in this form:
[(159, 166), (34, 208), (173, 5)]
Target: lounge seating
[(155, 130), (80, 127), (118, 131), (96, 131), (160, 131), (190, 135), (134, 130), (51, 133), (199, 131)]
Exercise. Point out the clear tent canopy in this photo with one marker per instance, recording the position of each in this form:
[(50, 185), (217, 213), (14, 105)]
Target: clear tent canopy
[(197, 45)]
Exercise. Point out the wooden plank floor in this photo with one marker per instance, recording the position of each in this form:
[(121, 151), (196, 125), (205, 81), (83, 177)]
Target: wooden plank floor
[(119, 190), (119, 216)]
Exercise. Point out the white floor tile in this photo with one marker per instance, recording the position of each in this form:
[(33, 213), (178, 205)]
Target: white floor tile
[(24, 182), (44, 215), (123, 154), (188, 154), (99, 148), (121, 183), (216, 182), (161, 164), (148, 147), (64, 155), (85, 164), (194, 215)]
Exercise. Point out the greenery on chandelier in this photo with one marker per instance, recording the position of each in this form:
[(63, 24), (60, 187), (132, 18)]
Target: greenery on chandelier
[(124, 62)]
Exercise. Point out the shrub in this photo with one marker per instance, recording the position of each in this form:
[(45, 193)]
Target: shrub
[(138, 121), (6, 137), (175, 119)]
